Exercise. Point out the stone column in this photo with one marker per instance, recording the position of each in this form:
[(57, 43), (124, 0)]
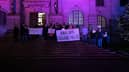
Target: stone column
[(22, 17)]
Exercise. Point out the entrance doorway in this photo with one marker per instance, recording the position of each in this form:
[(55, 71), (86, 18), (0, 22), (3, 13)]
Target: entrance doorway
[(37, 19)]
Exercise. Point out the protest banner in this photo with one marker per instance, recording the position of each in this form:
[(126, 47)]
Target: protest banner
[(68, 35)]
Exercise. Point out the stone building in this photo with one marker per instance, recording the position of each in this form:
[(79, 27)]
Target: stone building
[(40, 12)]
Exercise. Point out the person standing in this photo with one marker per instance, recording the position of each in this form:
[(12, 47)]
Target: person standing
[(70, 27), (106, 40), (84, 32), (45, 32), (63, 27), (99, 38), (24, 32), (16, 33), (51, 33), (93, 36)]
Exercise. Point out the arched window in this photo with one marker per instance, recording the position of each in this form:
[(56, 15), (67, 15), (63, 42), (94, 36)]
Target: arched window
[(76, 17), (101, 21)]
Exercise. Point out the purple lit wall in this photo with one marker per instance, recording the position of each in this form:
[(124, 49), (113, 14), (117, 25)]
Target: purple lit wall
[(4, 4), (90, 11), (69, 5), (11, 19)]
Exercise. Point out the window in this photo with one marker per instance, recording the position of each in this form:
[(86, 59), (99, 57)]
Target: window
[(76, 17), (41, 18), (37, 19), (123, 2), (101, 21), (99, 2)]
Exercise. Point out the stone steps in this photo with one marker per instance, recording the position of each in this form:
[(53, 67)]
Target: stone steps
[(87, 52)]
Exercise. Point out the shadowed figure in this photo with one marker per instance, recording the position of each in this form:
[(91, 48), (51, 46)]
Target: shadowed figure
[(106, 40), (16, 33), (99, 38), (84, 32), (45, 32), (24, 32)]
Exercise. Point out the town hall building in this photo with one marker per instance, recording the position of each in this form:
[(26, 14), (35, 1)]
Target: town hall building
[(78, 12)]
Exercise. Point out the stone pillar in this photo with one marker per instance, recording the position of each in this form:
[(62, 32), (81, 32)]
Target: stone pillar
[(22, 17)]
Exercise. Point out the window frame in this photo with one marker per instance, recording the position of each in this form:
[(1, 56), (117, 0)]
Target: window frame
[(101, 21), (76, 15)]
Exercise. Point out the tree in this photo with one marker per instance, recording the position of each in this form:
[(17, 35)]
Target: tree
[(124, 24)]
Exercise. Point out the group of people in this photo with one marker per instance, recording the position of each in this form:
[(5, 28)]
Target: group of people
[(98, 37), (49, 31), (21, 33)]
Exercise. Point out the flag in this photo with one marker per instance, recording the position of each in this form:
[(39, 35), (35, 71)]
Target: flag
[(56, 6)]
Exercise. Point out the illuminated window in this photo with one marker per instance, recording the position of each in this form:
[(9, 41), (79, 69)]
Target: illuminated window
[(101, 21), (76, 17), (41, 17), (37, 19)]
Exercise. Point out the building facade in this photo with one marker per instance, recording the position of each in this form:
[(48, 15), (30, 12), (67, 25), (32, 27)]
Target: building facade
[(41, 12)]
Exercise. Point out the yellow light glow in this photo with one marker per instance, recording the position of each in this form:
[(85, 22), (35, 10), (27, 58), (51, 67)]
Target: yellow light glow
[(41, 16)]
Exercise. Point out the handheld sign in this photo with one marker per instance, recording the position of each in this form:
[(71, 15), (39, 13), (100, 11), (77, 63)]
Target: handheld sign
[(35, 31), (50, 30)]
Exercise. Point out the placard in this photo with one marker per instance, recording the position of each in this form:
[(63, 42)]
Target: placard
[(35, 31), (68, 35), (50, 30)]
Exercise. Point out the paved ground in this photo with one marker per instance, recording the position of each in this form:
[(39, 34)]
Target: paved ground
[(39, 55)]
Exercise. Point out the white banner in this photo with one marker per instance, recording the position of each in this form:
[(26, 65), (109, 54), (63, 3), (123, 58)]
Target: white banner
[(35, 31), (68, 35)]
